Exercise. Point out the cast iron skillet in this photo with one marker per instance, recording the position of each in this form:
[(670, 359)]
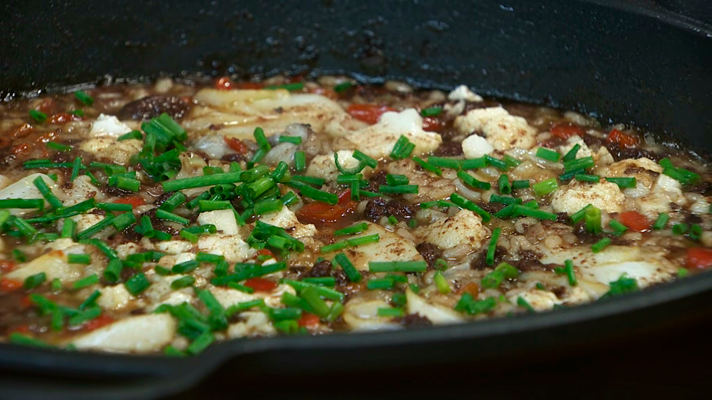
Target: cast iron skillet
[(631, 62)]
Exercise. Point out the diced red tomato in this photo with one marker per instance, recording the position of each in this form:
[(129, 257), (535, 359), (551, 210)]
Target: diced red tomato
[(236, 145), (345, 197), (98, 322), (698, 257), (224, 83), (369, 113), (622, 139), (566, 130), (314, 213), (260, 284), (7, 266), (24, 329), (472, 288), (249, 86), (135, 201), (62, 118), (432, 124), (264, 252), (308, 319), (26, 302), (635, 221), (8, 285)]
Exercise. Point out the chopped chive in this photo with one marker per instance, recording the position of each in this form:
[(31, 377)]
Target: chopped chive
[(467, 204), (268, 206), (695, 232), (412, 223), (624, 284), (587, 178), (349, 269), (131, 135), (395, 180), (349, 178), (397, 266), (38, 116), (83, 97), (593, 220), (112, 273), (380, 284), (103, 247), (300, 161), (504, 186), (680, 229), (364, 158), (441, 264), (395, 312), (200, 343), (680, 174), (92, 279), (400, 148), (19, 256), (114, 207), (661, 221), (287, 86), (183, 282), (96, 228), (580, 214), (530, 212), (623, 183), (35, 280), (315, 302), (495, 198), (471, 181), (137, 284), (123, 221), (399, 189), (169, 216), (76, 166), (46, 192), (343, 86), (427, 166), (497, 163), (600, 245), (473, 163), (548, 154), (311, 180), (201, 181), (431, 111), (353, 242), (352, 230), (545, 187), (618, 228), (290, 139), (392, 220), (319, 195), (571, 154), (173, 202), (492, 247), (125, 183), (444, 162), (682, 273), (21, 339), (78, 113), (185, 267), (522, 302), (21, 203), (511, 161), (209, 205), (58, 146), (89, 301), (441, 283), (79, 258), (569, 271), (241, 288), (321, 281), (579, 163)]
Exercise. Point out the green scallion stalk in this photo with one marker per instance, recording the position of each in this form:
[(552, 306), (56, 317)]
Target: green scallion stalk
[(471, 181), (548, 154), (545, 187), (94, 229), (522, 302), (201, 343), (35, 280), (497, 163), (618, 228), (593, 220), (21, 203), (397, 266), (441, 283), (492, 247), (444, 162), (321, 281), (38, 116), (268, 206), (534, 213), (169, 216), (511, 161), (431, 111), (311, 180), (569, 271), (58, 146), (579, 163), (380, 284), (315, 302), (92, 279), (504, 186), (427, 166), (123, 221), (173, 202), (600, 245), (695, 232), (571, 154), (661, 222), (19, 256), (400, 189), (89, 301), (395, 180), (137, 284), (112, 273), (392, 220), (46, 192), (495, 198), (473, 163), (364, 158), (349, 269), (183, 282), (353, 242), (400, 148), (131, 135), (83, 97), (103, 247), (296, 86), (352, 230), (125, 183), (580, 214), (300, 161), (680, 229), (319, 195), (623, 183), (468, 205), (587, 178), (201, 181), (516, 185), (79, 258), (395, 312), (290, 139)]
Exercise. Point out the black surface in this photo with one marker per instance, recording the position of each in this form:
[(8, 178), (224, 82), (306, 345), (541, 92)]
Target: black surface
[(627, 64)]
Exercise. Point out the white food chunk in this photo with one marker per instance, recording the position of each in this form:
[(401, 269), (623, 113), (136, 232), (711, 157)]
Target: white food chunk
[(286, 219), (502, 130), (475, 146), (435, 313), (577, 195), (108, 125), (256, 324), (113, 297), (463, 228), (232, 247), (463, 93), (85, 221), (229, 297), (81, 190), (213, 144), (25, 189), (390, 247), (362, 315), (54, 264), (644, 170), (378, 140), (224, 221), (540, 300), (323, 166), (111, 149), (139, 334), (574, 140), (174, 246), (665, 191)]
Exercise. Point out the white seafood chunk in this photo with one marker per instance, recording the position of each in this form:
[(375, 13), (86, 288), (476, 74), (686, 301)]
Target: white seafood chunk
[(232, 247), (139, 334), (475, 146), (666, 190), (362, 315), (644, 170), (108, 125), (435, 313), (224, 221), (465, 227), (286, 219), (574, 140), (323, 166), (54, 264), (577, 195), (113, 297), (502, 130), (378, 140), (390, 247), (463, 93), (256, 323), (25, 189), (109, 148)]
